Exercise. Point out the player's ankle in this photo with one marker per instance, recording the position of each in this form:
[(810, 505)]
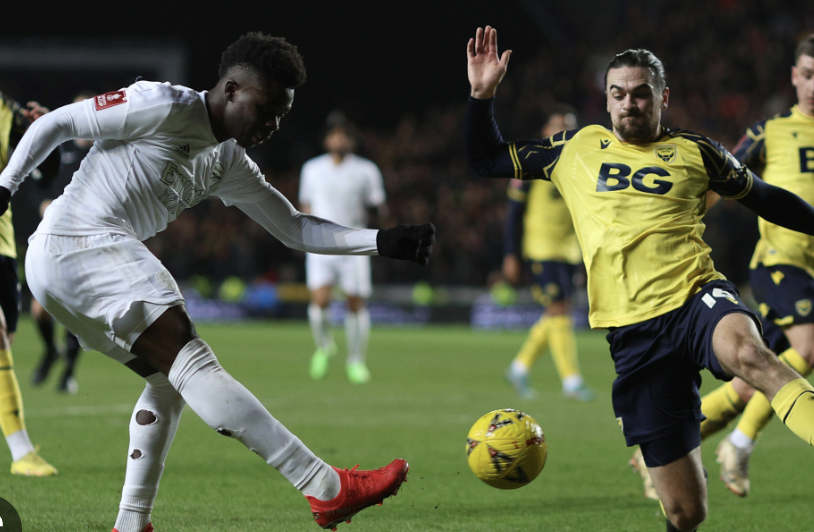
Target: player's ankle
[(324, 485), (741, 440)]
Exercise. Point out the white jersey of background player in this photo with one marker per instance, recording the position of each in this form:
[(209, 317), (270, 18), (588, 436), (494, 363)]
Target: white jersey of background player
[(161, 149), (343, 187)]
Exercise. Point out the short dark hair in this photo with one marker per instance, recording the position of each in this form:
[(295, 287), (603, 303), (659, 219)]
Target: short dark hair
[(805, 47), (269, 57), (639, 58), (338, 120)]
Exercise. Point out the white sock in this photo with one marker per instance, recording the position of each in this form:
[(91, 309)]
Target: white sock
[(318, 319), (741, 440), (518, 368), (152, 428), (228, 407), (357, 332), (132, 521), (19, 444), (572, 383)]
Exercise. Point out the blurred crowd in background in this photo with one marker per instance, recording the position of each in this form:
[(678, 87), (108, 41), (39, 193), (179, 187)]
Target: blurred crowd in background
[(728, 65)]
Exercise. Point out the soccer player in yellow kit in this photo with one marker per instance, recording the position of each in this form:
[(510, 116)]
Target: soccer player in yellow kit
[(539, 228), (637, 196), (25, 458), (781, 149)]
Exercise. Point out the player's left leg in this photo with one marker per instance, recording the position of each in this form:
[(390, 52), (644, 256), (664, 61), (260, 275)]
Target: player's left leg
[(735, 451), (740, 350), (681, 486)]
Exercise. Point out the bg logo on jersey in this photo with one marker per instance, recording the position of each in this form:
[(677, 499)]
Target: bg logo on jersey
[(614, 176), (109, 99)]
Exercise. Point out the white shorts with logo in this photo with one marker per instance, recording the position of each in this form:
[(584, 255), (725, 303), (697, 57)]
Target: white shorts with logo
[(350, 272), (106, 289)]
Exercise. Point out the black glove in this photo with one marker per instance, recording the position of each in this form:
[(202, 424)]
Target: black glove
[(5, 198), (407, 242)]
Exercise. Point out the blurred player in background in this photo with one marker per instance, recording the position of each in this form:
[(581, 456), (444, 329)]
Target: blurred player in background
[(14, 120), (781, 150), (539, 228), (342, 187), (162, 149), (71, 155), (637, 195)]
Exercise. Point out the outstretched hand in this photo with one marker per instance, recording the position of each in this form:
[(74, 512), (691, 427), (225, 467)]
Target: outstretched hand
[(407, 242), (33, 111), (484, 67)]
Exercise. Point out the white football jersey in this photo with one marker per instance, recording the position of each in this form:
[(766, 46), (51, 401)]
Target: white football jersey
[(341, 192), (155, 156)]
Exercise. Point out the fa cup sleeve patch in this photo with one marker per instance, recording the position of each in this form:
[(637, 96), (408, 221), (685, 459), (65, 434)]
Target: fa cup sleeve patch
[(109, 99)]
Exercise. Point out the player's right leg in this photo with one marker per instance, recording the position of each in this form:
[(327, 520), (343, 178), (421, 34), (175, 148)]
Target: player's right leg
[(355, 280), (85, 283), (170, 345), (321, 277), (321, 331)]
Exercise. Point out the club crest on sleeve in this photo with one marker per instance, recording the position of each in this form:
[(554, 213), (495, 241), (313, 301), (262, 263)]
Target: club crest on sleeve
[(803, 307), (109, 99), (666, 152)]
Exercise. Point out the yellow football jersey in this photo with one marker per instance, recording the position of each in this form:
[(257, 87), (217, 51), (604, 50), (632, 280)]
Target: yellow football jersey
[(548, 232), (7, 245), (784, 146), (637, 211)]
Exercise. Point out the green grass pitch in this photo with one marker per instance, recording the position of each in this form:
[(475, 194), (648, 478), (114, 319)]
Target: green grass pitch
[(429, 385)]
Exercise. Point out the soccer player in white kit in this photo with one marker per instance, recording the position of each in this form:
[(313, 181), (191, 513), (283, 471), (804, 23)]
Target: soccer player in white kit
[(342, 187), (161, 149)]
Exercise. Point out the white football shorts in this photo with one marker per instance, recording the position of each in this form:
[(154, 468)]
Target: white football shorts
[(106, 289), (350, 272)]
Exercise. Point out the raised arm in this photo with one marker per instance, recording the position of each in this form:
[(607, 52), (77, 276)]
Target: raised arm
[(486, 152), (484, 67)]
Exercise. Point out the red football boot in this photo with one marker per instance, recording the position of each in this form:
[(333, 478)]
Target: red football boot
[(148, 528), (358, 490)]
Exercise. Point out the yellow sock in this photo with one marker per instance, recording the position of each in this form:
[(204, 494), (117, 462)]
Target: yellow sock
[(794, 404), (720, 406), (563, 345), (759, 411), (11, 400), (535, 343)]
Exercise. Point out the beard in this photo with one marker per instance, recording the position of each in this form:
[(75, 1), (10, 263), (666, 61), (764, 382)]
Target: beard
[(635, 130)]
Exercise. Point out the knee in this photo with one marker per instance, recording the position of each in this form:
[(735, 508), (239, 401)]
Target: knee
[(355, 303), (687, 517)]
